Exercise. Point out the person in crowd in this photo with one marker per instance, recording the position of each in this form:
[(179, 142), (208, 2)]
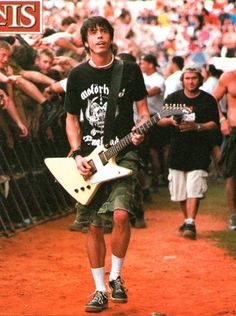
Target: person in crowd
[(174, 72), (68, 42), (50, 112), (211, 76), (32, 72), (157, 140), (44, 64), (63, 62), (226, 86), (87, 90), (8, 105), (190, 146)]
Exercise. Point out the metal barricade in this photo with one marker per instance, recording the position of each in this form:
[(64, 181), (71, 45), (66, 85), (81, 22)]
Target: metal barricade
[(29, 194)]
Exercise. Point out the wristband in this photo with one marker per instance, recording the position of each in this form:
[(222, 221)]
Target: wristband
[(222, 119), (76, 152)]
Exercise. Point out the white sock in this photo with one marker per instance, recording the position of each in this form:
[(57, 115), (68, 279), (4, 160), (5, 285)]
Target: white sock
[(190, 221), (116, 265), (99, 279)]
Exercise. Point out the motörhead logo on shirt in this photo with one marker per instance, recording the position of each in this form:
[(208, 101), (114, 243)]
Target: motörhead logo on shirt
[(96, 110), (96, 97), (95, 113)]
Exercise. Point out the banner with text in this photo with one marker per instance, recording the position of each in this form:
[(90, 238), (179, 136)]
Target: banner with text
[(21, 16)]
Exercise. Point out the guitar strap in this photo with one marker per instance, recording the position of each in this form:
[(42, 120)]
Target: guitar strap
[(109, 129)]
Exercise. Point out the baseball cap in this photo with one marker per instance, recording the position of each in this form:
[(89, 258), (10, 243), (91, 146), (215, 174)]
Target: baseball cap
[(149, 58), (191, 68)]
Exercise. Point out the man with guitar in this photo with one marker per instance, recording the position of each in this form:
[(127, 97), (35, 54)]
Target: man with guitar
[(88, 90)]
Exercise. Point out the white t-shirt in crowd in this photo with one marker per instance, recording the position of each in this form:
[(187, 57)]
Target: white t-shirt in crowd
[(209, 85), (173, 83), (155, 102)]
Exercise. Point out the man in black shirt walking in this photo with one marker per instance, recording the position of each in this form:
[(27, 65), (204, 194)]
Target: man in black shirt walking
[(88, 89), (190, 146)]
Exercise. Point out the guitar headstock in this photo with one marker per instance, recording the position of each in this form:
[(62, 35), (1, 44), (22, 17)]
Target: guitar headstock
[(174, 109)]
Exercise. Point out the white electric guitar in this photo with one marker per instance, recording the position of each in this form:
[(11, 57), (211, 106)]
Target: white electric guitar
[(102, 162)]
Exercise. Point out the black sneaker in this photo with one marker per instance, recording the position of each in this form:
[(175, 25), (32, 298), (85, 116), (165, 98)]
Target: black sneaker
[(78, 227), (181, 229), (139, 223), (98, 303), (189, 231), (118, 291)]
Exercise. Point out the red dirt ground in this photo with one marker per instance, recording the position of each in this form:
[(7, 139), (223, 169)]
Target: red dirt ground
[(45, 271)]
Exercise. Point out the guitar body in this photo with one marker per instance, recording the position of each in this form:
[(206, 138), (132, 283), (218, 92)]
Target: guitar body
[(83, 190), (102, 162)]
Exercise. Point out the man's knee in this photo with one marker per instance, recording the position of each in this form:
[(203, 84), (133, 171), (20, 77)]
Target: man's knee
[(120, 217), (95, 231)]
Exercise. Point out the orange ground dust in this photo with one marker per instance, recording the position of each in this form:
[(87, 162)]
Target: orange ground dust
[(45, 271)]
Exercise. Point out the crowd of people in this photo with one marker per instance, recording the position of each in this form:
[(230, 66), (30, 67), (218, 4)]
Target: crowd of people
[(62, 78)]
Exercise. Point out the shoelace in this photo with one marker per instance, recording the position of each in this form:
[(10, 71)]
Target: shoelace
[(98, 297), (118, 284)]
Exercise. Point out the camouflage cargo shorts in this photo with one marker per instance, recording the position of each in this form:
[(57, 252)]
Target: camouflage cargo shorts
[(113, 195)]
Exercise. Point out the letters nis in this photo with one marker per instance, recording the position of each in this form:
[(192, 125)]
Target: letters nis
[(21, 16)]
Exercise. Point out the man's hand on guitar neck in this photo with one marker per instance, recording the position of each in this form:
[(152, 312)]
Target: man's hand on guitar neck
[(135, 137)]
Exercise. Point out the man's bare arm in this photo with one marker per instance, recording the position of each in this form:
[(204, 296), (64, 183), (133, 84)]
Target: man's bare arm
[(219, 91), (73, 131), (143, 116), (73, 134)]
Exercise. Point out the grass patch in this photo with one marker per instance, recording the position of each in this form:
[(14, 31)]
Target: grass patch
[(214, 204), (225, 240)]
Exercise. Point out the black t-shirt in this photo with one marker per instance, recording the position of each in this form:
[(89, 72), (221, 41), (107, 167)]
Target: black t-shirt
[(88, 90), (192, 150)]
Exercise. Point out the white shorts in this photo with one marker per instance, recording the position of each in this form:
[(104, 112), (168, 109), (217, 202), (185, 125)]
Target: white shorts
[(187, 184)]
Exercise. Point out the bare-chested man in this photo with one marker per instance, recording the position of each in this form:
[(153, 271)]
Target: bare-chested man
[(227, 86)]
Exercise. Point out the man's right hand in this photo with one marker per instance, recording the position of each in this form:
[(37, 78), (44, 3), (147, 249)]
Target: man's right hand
[(83, 166)]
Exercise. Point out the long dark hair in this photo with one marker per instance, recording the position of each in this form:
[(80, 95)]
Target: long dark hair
[(93, 22)]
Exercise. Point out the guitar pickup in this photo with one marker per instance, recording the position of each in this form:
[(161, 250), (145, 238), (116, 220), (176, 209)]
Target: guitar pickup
[(92, 170), (103, 158)]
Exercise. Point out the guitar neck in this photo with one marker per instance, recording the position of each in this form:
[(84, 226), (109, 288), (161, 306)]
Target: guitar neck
[(127, 140)]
